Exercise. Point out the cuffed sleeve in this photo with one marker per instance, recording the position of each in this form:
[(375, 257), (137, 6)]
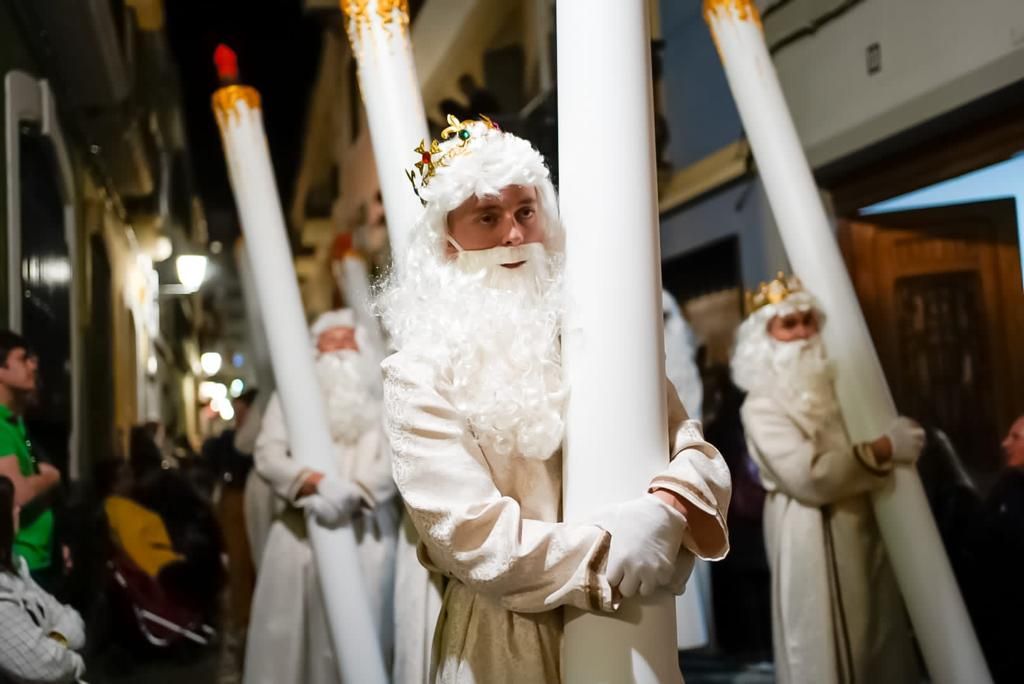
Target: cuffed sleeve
[(698, 473), (68, 623), (27, 655)]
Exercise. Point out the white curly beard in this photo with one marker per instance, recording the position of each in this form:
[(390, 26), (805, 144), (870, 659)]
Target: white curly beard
[(492, 332), (345, 381), (802, 369)]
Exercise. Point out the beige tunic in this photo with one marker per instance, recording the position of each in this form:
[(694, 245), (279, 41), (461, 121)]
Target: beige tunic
[(491, 525), (837, 615), (288, 641), (417, 605)]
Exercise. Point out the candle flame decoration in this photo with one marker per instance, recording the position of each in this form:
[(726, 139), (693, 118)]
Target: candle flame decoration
[(226, 98), (226, 61)]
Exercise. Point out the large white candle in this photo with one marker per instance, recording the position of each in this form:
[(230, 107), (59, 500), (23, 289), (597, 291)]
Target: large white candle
[(613, 347), (925, 578), (378, 31), (353, 633)]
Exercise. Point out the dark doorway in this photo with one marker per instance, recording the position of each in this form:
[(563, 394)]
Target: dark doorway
[(46, 293), (711, 268)]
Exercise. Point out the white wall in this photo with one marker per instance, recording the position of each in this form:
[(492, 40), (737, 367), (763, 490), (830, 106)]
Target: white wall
[(936, 55)]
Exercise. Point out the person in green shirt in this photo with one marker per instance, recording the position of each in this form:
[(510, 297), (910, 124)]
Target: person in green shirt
[(33, 481)]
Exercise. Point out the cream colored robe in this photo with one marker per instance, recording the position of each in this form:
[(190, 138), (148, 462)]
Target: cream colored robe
[(837, 615), (288, 641), (417, 605), (491, 525)]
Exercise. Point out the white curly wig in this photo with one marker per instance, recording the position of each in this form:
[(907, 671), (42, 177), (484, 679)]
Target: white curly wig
[(505, 377), (754, 350), (490, 161)]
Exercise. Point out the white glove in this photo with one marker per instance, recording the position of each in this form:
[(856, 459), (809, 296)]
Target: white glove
[(342, 494), (325, 513), (646, 537), (907, 439), (334, 503)]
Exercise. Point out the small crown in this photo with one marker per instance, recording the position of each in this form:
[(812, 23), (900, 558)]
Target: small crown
[(433, 157), (774, 292)]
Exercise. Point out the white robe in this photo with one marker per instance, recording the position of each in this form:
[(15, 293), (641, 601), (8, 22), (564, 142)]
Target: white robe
[(491, 526), (288, 640), (258, 496), (837, 615), (260, 506)]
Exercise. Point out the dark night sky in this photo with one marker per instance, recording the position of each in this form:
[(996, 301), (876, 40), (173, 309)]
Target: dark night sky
[(278, 50)]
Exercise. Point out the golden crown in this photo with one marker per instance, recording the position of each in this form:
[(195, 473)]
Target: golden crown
[(774, 292), (433, 157)]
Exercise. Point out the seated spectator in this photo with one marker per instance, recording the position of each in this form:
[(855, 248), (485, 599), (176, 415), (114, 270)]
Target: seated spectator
[(163, 554), (40, 635), (140, 534), (158, 520), (192, 527)]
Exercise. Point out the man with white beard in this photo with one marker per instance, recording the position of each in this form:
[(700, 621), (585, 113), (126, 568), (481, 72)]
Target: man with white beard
[(475, 403), (288, 642), (837, 615)]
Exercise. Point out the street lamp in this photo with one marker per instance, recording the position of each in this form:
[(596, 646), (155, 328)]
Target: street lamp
[(191, 269), (210, 362)]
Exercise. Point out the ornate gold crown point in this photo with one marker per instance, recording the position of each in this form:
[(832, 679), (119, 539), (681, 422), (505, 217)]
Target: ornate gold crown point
[(434, 156), (774, 292)]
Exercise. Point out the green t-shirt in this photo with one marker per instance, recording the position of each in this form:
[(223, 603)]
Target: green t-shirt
[(35, 534)]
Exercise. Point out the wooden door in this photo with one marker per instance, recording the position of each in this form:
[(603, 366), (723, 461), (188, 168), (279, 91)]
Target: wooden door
[(942, 293)]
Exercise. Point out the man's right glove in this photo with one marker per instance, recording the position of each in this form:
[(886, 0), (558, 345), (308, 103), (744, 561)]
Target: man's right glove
[(342, 494), (907, 439), (646, 536), (334, 503), (324, 512)]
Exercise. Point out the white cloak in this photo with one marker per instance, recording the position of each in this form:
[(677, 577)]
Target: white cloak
[(837, 615), (288, 640), (491, 526)]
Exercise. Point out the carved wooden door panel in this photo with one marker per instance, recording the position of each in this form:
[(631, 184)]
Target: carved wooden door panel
[(941, 290)]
